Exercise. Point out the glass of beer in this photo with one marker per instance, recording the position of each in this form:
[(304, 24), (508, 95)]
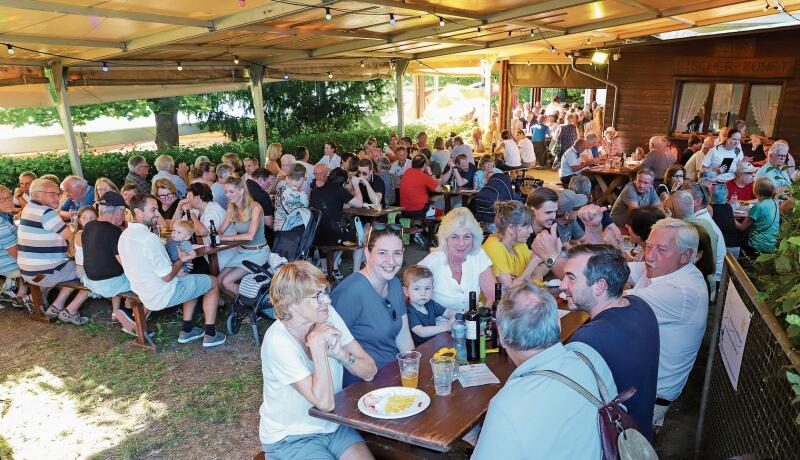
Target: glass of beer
[(409, 368)]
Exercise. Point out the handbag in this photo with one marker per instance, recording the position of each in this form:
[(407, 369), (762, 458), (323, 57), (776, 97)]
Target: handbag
[(619, 436)]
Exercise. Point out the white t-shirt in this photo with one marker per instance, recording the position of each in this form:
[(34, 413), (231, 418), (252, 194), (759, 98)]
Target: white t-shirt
[(694, 165), (568, 160), (284, 411), (332, 162), (512, 156), (398, 169), (145, 261), (719, 153), (526, 150), (309, 176), (446, 290)]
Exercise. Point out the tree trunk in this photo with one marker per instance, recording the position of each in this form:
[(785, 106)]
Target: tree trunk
[(166, 112)]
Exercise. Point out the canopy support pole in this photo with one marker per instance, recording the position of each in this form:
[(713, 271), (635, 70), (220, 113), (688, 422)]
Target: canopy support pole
[(486, 66), (399, 73), (505, 97), (57, 75), (256, 76)]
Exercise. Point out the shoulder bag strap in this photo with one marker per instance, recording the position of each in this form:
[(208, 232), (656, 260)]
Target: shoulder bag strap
[(570, 383), (600, 385)]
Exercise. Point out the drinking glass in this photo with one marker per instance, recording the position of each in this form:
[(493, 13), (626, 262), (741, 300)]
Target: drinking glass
[(409, 368), (443, 374)]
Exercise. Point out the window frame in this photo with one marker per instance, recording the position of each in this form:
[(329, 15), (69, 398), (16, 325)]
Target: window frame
[(712, 82)]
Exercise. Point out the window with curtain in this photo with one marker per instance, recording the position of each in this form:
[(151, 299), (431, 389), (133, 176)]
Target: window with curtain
[(692, 107), (708, 106)]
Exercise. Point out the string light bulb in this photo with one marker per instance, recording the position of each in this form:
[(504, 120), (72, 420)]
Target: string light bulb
[(10, 50), (533, 33), (328, 14), (285, 75), (392, 20), (330, 74), (509, 34), (180, 67), (441, 21), (362, 63), (105, 67), (479, 30), (236, 60), (553, 49), (767, 6)]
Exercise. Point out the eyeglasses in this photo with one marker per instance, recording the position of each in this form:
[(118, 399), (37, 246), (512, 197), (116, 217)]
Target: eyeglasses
[(8, 198), (164, 197), (390, 309), (322, 295)]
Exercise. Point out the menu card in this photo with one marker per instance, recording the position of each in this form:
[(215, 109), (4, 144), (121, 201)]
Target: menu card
[(472, 375)]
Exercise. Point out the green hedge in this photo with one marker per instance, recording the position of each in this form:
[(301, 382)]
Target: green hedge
[(114, 165)]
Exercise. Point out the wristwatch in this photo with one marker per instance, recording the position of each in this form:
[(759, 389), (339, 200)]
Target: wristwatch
[(550, 261), (349, 362)]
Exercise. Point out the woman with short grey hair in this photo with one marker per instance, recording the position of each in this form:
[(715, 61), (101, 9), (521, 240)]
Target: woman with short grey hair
[(460, 265)]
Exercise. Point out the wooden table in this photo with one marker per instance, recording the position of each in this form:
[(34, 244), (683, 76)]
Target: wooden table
[(449, 194), (448, 417), (213, 265), (371, 213), (607, 194)]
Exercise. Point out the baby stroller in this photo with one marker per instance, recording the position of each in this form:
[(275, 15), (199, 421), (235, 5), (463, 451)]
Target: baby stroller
[(253, 298)]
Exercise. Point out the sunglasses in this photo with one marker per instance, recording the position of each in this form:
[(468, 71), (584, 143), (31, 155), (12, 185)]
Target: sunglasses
[(363, 174), (390, 310)]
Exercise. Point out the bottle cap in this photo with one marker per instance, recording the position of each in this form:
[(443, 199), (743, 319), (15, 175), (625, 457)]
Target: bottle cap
[(459, 316)]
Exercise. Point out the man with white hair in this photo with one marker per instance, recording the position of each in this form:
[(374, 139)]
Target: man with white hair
[(675, 289), (137, 174), (776, 167), (79, 194), (659, 158), (166, 167), (702, 218), (531, 402), (42, 255)]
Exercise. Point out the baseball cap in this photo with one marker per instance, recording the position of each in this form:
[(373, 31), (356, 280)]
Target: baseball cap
[(112, 199), (745, 167), (570, 201)]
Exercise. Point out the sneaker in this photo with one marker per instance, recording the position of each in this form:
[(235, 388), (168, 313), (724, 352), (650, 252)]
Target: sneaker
[(53, 312), (212, 341), (186, 337), (132, 332), (9, 294), (337, 274), (128, 324), (73, 318)]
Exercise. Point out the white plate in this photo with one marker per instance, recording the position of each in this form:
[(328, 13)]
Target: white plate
[(420, 404), (553, 283)]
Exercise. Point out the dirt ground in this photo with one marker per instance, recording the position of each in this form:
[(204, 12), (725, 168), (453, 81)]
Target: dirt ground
[(75, 393)]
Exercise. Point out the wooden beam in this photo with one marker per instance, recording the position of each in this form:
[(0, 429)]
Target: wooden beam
[(57, 74), (639, 5), (44, 40), (62, 8)]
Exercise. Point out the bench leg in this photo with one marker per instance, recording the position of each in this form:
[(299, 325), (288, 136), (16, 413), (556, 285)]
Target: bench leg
[(142, 339), (329, 256), (38, 301)]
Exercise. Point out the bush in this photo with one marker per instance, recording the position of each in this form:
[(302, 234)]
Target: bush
[(114, 165)]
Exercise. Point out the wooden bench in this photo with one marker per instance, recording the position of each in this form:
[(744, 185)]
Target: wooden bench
[(330, 252), (142, 339), (430, 226)]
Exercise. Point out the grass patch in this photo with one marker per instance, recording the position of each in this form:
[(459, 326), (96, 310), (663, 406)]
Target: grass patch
[(6, 452), (219, 400)]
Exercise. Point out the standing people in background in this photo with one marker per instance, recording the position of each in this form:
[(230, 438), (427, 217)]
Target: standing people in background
[(137, 174), (165, 166), (460, 265), (658, 159), (459, 147), (528, 326), (303, 358), (567, 133), (42, 255), (725, 156), (636, 194), (79, 194), (161, 284), (677, 293), (22, 194), (695, 164), (596, 122), (527, 155), (623, 329), (554, 107), (763, 221), (694, 144), (439, 157), (250, 165), (330, 158), (8, 253), (274, 152), (539, 134), (223, 171), (371, 301)]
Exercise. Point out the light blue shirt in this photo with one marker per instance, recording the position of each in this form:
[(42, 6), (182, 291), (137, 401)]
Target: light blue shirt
[(538, 417), (570, 158), (218, 192), (779, 175), (180, 185)]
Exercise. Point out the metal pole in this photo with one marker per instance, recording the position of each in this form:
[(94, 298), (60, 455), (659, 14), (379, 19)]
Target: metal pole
[(57, 75), (573, 58), (256, 76)]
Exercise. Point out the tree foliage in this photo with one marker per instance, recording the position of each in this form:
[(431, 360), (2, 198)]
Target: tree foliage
[(81, 114)]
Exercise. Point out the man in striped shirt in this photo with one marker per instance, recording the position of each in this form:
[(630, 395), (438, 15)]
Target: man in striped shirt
[(42, 258)]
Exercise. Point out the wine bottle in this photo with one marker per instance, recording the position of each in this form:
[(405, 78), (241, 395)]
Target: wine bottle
[(472, 320), (498, 293), (484, 320), (213, 235)]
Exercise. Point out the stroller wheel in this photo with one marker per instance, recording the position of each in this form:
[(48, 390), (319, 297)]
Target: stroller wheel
[(233, 324)]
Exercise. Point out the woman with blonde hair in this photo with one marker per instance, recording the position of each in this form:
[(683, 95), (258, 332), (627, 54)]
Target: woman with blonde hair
[(167, 196), (102, 186), (274, 152), (303, 358), (460, 265), (246, 217), (513, 262)]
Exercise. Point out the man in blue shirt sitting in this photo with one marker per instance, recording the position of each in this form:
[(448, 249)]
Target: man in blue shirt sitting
[(79, 194), (623, 329)]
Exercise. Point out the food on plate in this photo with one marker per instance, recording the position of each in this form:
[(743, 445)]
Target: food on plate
[(398, 403)]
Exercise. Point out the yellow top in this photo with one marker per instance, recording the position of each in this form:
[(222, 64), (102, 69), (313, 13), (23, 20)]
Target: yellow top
[(504, 261)]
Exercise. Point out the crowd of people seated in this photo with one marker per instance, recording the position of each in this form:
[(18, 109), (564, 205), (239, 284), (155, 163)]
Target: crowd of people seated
[(644, 270)]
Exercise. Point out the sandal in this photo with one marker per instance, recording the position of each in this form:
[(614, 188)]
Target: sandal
[(52, 311), (73, 318)]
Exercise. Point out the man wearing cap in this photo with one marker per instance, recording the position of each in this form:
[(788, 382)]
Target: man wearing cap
[(104, 274), (610, 147), (636, 194), (566, 215), (742, 185)]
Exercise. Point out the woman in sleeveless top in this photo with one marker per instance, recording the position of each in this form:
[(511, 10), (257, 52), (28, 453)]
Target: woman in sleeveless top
[(246, 217)]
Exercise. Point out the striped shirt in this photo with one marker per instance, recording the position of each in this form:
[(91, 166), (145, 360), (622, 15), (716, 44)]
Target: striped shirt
[(41, 249), (8, 239)]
